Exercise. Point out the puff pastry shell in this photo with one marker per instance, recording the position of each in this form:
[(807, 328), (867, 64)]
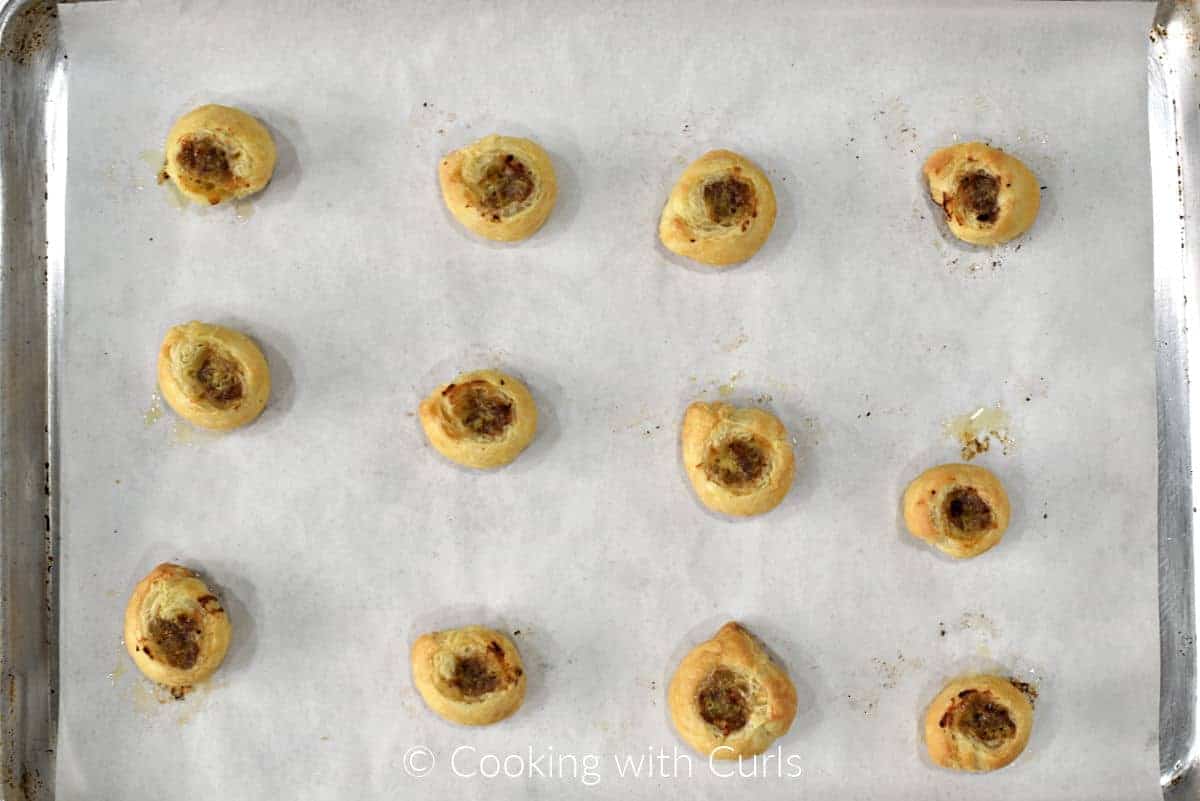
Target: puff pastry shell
[(720, 212), (481, 419), (739, 461), (213, 376), (176, 630), (989, 196), (217, 153), (978, 723), (501, 187), (728, 699), (962, 509), (471, 675)]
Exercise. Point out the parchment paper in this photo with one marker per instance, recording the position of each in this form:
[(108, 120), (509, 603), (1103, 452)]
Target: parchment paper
[(337, 535)]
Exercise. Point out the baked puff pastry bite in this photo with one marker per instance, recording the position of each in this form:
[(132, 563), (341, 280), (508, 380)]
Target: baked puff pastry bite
[(961, 509), (212, 376), (481, 419), (739, 461), (720, 212), (501, 187), (471, 675), (217, 153), (728, 698), (989, 196), (176, 630), (979, 723)]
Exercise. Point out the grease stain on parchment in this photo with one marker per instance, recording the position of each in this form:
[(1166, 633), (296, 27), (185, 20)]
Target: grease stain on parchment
[(152, 700), (118, 671), (975, 430), (727, 389), (154, 412), (735, 343), (243, 209)]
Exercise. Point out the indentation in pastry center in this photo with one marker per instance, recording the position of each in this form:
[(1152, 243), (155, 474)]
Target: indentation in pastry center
[(205, 159), (473, 676), (724, 700), (728, 200), (178, 640), (220, 378), (966, 511), (505, 181), (979, 193), (736, 462), (482, 409), (980, 717)]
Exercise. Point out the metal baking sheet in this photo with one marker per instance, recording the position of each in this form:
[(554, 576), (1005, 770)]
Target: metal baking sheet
[(337, 535), (1175, 160)]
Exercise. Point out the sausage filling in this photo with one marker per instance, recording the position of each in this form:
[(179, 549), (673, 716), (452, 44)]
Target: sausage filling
[(736, 463), (205, 160), (978, 715), (724, 701), (967, 513), (220, 378), (481, 408), (978, 193), (473, 677), (728, 200), (506, 181), (178, 641)]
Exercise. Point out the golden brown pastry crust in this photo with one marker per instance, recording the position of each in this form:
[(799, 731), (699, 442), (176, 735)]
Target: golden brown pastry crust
[(472, 675), (978, 723), (739, 461), (989, 196), (720, 212), (176, 630), (217, 153), (728, 698), (481, 419), (212, 376), (961, 509), (501, 187)]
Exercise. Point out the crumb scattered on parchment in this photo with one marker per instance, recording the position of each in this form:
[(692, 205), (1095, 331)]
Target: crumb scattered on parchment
[(898, 131), (865, 704), (975, 431), (428, 117), (890, 673), (1029, 690), (149, 699), (645, 425), (979, 622), (808, 432)]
